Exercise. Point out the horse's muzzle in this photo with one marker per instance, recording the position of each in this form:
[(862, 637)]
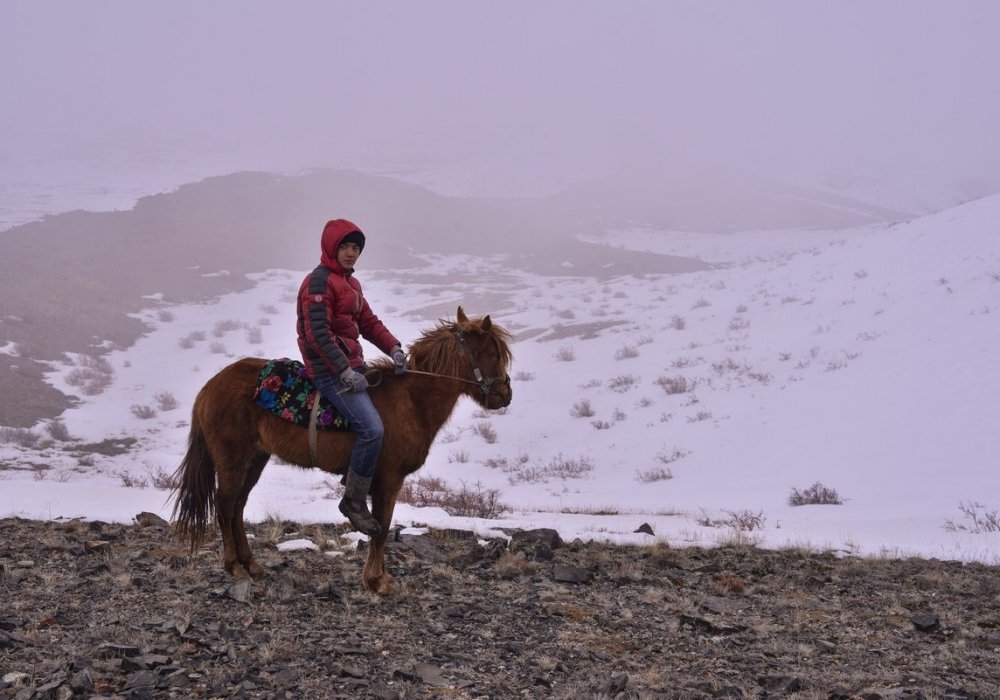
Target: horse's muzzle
[(501, 395)]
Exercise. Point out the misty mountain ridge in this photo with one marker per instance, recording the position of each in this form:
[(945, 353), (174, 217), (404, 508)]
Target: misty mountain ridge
[(72, 282)]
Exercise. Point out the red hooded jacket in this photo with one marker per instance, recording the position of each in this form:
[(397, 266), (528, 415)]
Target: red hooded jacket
[(332, 312)]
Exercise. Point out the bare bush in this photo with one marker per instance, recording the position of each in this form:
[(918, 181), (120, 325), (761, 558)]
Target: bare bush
[(701, 303), (130, 480), (678, 323), (268, 309), (656, 474), (142, 411), (57, 430), (600, 424), (669, 457), (565, 354), (486, 431), (165, 315), (93, 375), (558, 468), (977, 520), (626, 353), (224, 326), (255, 336), (675, 385), (582, 409), (474, 502), (622, 383), (566, 314), (817, 494), (22, 437), (188, 341), (738, 323), (459, 456), (739, 520), (699, 417), (217, 348), (165, 401), (524, 376), (163, 480)]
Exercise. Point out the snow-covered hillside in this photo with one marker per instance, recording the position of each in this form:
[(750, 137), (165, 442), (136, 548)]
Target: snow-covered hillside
[(864, 360)]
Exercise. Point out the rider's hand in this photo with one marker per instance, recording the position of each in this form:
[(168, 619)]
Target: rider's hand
[(398, 358), (353, 381)]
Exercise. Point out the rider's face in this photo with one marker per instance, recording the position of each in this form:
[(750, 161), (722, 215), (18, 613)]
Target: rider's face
[(347, 254)]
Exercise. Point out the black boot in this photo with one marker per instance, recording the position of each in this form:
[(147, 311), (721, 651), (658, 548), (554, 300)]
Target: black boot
[(354, 505)]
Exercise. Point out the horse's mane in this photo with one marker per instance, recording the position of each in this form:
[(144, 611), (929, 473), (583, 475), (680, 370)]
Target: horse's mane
[(437, 349)]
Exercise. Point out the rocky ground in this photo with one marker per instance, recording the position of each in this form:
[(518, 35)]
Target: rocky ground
[(106, 610)]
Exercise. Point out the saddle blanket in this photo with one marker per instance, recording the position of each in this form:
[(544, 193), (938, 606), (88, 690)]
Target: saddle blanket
[(284, 389)]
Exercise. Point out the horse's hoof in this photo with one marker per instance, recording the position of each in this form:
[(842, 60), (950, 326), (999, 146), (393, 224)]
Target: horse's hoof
[(381, 585), (239, 573), (255, 570)]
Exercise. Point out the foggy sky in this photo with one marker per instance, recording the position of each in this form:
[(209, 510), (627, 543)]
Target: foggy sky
[(794, 88)]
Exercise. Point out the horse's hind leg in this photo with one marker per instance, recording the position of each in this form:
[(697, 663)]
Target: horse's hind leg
[(231, 475), (243, 553)]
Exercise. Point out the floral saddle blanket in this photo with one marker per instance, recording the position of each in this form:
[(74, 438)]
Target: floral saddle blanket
[(284, 389)]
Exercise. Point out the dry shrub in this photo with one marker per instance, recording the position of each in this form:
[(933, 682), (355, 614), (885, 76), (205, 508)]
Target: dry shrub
[(514, 565), (650, 475), (675, 385), (92, 376), (58, 431), (22, 437), (142, 411), (474, 502), (977, 519), (622, 383), (730, 583), (223, 327), (165, 401), (582, 409), (817, 494), (486, 431), (558, 468), (738, 520), (130, 480)]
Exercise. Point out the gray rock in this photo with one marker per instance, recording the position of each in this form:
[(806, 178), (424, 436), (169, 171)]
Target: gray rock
[(146, 519), (645, 528), (241, 591), (925, 621), (571, 574)]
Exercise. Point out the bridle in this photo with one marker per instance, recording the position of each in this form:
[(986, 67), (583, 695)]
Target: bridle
[(486, 384)]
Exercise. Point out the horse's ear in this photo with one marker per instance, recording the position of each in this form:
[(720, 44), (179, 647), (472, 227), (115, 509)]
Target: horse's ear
[(487, 325), (462, 318)]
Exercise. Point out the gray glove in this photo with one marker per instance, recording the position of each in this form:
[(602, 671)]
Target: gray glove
[(353, 381), (398, 358)]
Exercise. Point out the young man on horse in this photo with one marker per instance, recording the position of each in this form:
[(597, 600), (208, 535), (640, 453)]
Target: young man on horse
[(333, 316)]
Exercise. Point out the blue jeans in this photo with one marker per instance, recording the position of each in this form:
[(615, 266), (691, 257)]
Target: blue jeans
[(361, 415)]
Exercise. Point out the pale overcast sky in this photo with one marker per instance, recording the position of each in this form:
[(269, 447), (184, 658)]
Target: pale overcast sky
[(783, 87)]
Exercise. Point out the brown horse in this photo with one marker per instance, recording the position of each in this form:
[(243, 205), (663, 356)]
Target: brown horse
[(232, 438)]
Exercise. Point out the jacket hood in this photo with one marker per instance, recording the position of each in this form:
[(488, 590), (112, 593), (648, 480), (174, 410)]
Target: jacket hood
[(333, 234)]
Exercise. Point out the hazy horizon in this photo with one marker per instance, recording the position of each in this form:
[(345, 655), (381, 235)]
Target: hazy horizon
[(894, 100)]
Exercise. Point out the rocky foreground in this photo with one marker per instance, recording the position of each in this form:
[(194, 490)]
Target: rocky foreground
[(89, 609)]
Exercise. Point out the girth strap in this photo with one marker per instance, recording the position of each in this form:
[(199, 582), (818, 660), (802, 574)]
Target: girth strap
[(313, 417)]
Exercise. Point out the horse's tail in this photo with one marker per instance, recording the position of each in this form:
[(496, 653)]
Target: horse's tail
[(195, 490)]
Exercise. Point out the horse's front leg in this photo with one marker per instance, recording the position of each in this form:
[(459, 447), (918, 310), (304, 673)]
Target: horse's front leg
[(384, 494)]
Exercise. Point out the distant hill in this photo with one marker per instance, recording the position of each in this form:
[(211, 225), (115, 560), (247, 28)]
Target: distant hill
[(69, 281)]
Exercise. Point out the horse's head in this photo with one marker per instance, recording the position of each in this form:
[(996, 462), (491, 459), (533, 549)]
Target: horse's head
[(485, 345)]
